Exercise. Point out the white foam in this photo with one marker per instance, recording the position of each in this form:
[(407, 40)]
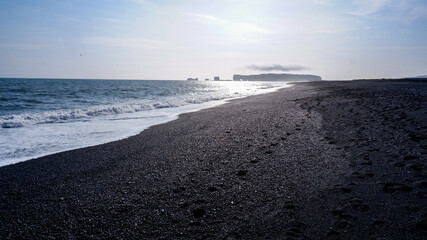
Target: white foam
[(27, 119)]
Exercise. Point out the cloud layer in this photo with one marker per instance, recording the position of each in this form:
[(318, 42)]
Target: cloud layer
[(276, 67), (366, 7)]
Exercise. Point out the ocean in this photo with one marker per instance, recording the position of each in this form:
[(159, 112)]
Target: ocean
[(44, 116)]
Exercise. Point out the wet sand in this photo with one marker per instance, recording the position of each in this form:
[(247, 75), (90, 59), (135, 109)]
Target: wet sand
[(321, 160)]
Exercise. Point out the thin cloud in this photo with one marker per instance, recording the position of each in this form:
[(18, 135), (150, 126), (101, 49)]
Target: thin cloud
[(405, 11), (143, 2), (235, 27), (208, 18), (110, 19), (276, 67), (409, 11), (341, 31), (367, 7)]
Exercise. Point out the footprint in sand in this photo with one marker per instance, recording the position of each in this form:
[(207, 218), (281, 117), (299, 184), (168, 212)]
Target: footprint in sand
[(198, 212), (242, 173), (332, 234)]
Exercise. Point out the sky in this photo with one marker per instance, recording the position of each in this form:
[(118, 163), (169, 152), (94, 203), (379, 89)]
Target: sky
[(178, 39)]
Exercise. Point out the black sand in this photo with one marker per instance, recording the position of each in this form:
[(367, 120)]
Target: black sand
[(326, 160)]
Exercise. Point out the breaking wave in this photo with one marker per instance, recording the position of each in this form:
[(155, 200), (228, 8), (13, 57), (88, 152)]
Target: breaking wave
[(26, 119)]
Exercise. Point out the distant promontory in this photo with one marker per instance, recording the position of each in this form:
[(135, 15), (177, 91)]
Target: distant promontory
[(277, 77)]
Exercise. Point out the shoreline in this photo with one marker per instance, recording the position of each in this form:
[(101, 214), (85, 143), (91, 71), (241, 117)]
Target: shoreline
[(173, 117), (317, 160), (170, 114)]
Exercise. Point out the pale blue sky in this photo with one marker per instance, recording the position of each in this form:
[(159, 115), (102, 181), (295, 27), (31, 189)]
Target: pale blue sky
[(173, 39)]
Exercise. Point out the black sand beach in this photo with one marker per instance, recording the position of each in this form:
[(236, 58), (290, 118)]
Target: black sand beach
[(321, 160)]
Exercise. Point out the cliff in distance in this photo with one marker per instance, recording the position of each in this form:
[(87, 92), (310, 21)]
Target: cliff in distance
[(277, 77)]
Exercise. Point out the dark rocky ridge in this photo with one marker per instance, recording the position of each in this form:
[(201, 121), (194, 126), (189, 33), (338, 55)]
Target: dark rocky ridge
[(277, 77)]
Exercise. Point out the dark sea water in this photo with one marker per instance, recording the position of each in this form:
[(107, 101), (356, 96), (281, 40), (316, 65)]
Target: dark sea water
[(44, 116)]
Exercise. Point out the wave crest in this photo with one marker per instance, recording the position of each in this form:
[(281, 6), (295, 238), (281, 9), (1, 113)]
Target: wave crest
[(27, 119)]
